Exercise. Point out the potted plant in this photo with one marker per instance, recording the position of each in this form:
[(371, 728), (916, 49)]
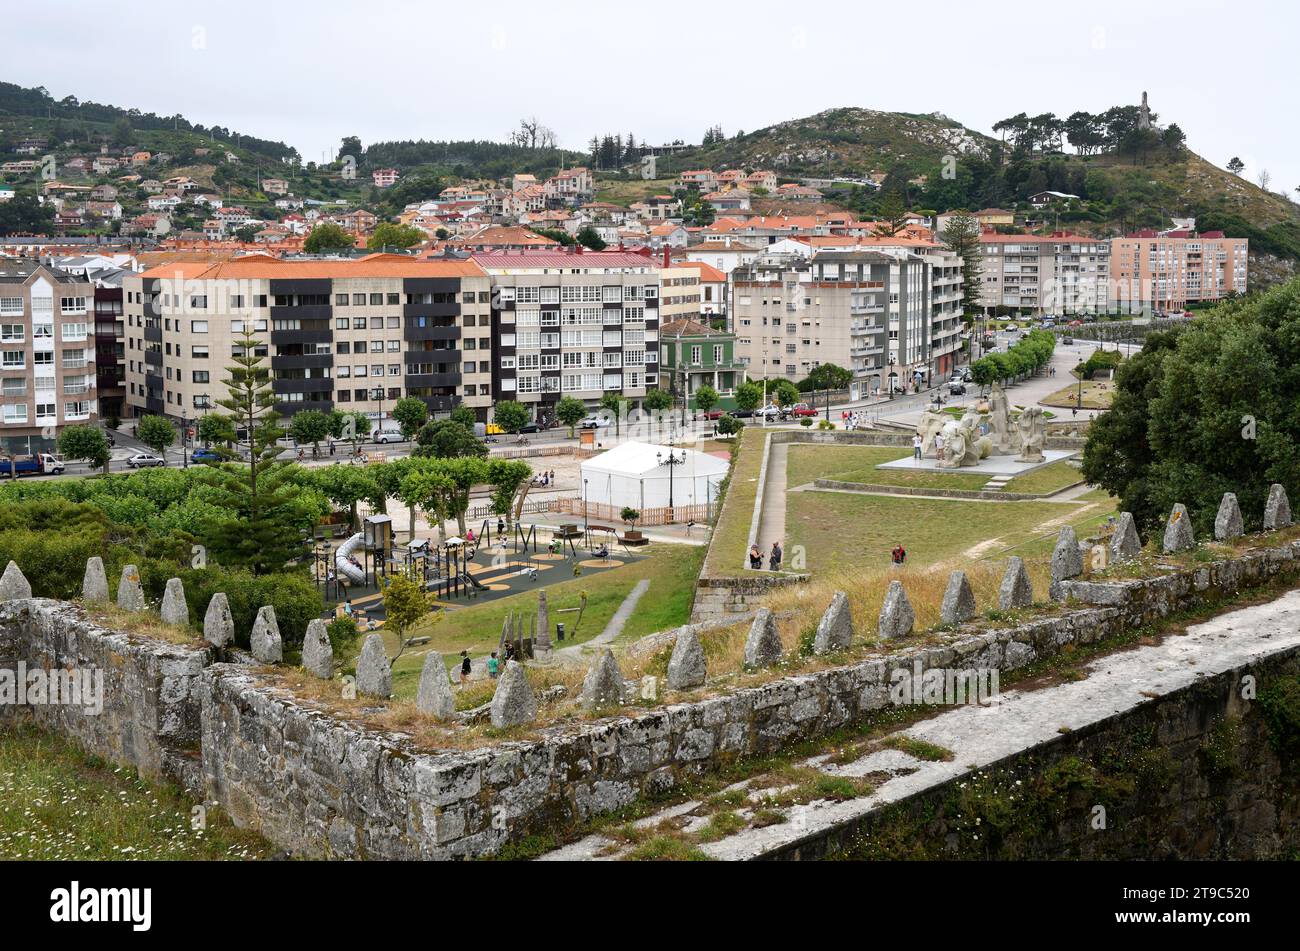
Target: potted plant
[(630, 516)]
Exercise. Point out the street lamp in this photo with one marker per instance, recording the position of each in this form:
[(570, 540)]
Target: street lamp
[(378, 394), (672, 462), (584, 508), (185, 432)]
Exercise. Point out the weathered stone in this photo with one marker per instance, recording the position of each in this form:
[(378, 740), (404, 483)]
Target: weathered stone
[(958, 600), (218, 623), (174, 610), (514, 702), (763, 645), (13, 585), (1277, 510), (835, 629), (374, 672), (1178, 530), (1125, 544), (896, 614), (1016, 590), (686, 667), (433, 696), (130, 596), (542, 643), (265, 639), (94, 583), (603, 683), (317, 651), (1227, 523), (1067, 560)]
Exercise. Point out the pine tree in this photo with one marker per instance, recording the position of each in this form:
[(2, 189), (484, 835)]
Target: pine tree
[(261, 536)]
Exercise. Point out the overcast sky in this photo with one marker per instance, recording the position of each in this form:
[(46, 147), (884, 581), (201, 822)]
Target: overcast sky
[(310, 73)]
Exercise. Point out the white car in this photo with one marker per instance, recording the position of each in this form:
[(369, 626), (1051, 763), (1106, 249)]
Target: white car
[(594, 421), (144, 460), (385, 436)]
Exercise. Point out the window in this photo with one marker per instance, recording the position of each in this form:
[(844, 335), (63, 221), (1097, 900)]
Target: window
[(196, 326), (340, 300), (358, 300), (344, 346), (47, 410), (12, 333), (358, 323), (80, 409), (340, 323), (199, 353), (74, 331), (695, 355), (11, 306), (14, 386), (16, 413), (72, 305), (13, 360), (200, 376)]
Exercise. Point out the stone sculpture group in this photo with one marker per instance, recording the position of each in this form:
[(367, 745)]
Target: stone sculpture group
[(964, 443)]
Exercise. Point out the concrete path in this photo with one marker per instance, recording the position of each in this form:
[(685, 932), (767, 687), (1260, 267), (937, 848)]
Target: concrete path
[(771, 525), (579, 653)]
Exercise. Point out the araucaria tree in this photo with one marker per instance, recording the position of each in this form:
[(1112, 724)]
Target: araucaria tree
[(261, 535)]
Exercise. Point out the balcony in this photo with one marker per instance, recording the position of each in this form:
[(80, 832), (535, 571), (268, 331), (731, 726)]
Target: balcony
[(302, 361), (431, 381)]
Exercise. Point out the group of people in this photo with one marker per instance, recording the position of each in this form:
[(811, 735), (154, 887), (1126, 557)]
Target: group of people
[(544, 478), (773, 557), (854, 420)]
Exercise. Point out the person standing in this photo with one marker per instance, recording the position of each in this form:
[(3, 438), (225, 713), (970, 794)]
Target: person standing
[(465, 667), (774, 559), (493, 666), (938, 447), (916, 447)]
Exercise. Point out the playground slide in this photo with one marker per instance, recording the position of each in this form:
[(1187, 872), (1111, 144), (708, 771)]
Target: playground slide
[(346, 568), (474, 581)]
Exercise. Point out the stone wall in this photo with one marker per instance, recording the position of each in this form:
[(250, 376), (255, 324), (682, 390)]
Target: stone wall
[(150, 714), (1195, 774), (989, 495), (722, 597), (319, 785)]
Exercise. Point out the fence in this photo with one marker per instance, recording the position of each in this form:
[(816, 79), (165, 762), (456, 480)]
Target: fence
[(531, 507), (652, 516)]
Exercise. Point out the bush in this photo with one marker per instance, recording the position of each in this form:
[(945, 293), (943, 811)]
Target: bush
[(806, 422)]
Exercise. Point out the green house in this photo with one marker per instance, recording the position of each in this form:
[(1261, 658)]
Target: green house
[(692, 355)]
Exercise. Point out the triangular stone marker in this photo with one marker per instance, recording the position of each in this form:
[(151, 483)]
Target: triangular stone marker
[(603, 684), (1016, 590), (835, 629), (433, 696), (130, 596), (958, 600), (763, 645), (13, 584), (896, 615), (218, 623), (317, 651), (1277, 510), (514, 702), (94, 583), (174, 610), (1227, 523), (265, 639), (1178, 531), (1125, 544), (686, 667), (374, 671)]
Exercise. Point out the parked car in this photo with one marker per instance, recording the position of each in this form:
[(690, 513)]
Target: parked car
[(957, 388), (1011, 328), (144, 460), (205, 455), (742, 413), (769, 412), (42, 464), (802, 409), (1067, 339), (528, 428), (386, 435), (714, 415)]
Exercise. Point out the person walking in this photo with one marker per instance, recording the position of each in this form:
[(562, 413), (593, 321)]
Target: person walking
[(465, 667)]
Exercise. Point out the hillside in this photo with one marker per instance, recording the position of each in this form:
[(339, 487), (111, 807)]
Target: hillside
[(845, 141)]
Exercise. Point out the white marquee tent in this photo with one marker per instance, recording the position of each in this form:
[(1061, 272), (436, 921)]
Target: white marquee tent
[(636, 474)]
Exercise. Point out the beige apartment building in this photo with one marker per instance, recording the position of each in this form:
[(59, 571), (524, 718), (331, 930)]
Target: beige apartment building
[(355, 335), (582, 323), (47, 355), (1034, 275), (1167, 271)]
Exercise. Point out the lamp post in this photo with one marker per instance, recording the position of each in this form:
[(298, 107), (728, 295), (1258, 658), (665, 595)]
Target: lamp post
[(185, 450), (584, 508), (671, 462), (378, 394)]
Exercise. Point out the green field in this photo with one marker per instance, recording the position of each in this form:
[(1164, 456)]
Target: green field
[(57, 802), (731, 533), (858, 464), (671, 569), (842, 531)]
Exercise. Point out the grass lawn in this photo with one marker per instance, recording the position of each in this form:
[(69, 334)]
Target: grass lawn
[(671, 569), (1096, 395), (1046, 480), (731, 533), (626, 193), (932, 530), (58, 802), (858, 464)]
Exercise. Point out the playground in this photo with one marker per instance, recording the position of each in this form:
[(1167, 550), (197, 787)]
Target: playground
[(491, 562)]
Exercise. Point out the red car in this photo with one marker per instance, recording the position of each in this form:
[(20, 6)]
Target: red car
[(802, 409), (715, 414)]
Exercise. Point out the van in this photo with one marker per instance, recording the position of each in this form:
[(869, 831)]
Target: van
[(386, 434)]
